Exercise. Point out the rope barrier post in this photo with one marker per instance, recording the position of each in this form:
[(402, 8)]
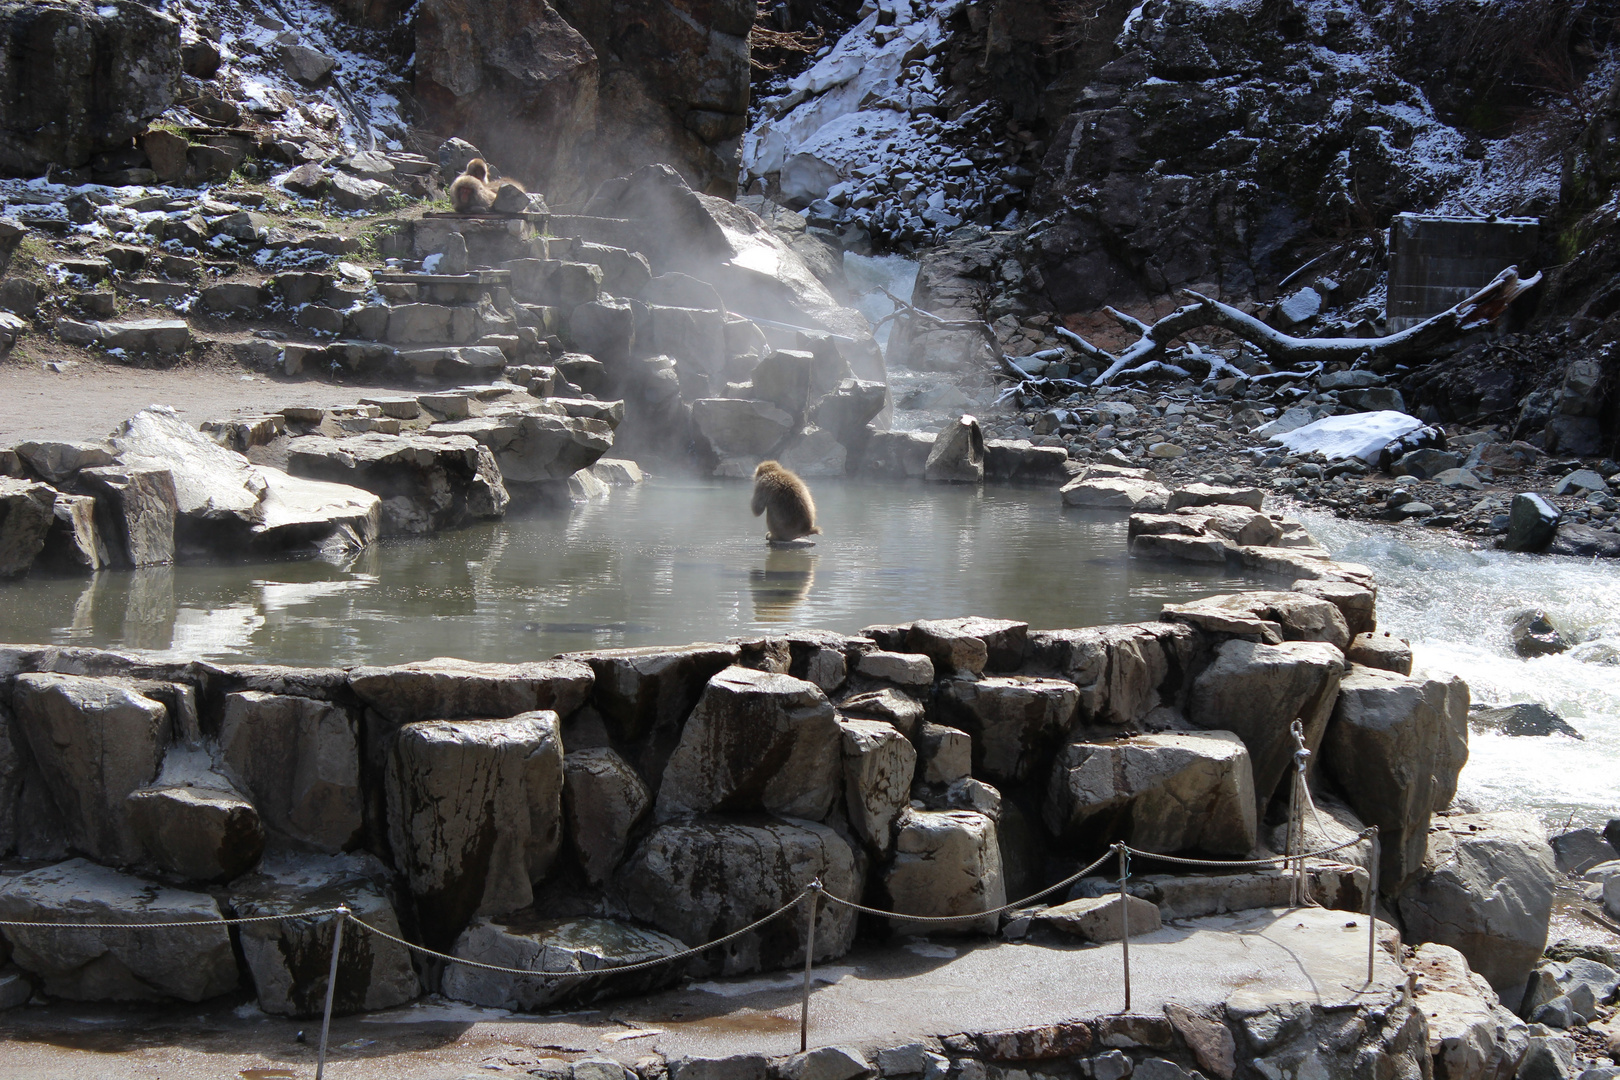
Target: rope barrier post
[(1125, 919), (331, 985), (813, 895), (1372, 904)]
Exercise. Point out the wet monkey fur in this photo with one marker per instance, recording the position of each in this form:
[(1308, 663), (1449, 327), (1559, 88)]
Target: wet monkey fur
[(785, 501)]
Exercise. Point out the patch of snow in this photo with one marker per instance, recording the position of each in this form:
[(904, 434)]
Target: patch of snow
[(1359, 435)]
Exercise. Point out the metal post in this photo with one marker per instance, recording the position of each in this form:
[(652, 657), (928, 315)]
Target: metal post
[(331, 985), (809, 956), (1125, 919), (1372, 904)]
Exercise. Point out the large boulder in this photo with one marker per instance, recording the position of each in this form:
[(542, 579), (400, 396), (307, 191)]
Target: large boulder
[(299, 761), (512, 77), (202, 832), (879, 763), (534, 444), (1115, 493), (116, 965), (425, 483), (27, 510), (737, 433), (474, 815), (214, 488), (605, 800), (970, 645), (1016, 721), (135, 512), (447, 688), (946, 862), (958, 453), (1164, 793), (94, 741), (112, 67), (1394, 746), (650, 691), (1471, 1036), (755, 741), (1256, 692), (556, 945), (288, 959), (702, 880), (1486, 889), (298, 512)]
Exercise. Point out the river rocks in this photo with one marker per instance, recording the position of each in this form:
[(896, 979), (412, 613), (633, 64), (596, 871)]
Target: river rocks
[(605, 800), (1016, 722), (1534, 634), (946, 862), (1485, 888), (701, 880), (1256, 691), (27, 511), (197, 833), (556, 945), (957, 455), (113, 70), (1524, 719), (1578, 850), (1165, 793), (1116, 493), (879, 763), (191, 964), (755, 741), (1394, 747), (425, 483), (1577, 987), (288, 959), (1381, 651), (474, 815), (1101, 918), (1471, 1036), (1532, 522), (298, 759), (94, 741), (447, 688), (136, 510)]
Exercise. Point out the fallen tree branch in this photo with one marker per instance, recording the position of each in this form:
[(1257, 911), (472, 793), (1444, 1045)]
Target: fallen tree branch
[(1474, 313)]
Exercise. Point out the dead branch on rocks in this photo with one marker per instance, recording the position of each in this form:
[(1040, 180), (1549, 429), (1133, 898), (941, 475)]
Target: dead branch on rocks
[(1146, 354)]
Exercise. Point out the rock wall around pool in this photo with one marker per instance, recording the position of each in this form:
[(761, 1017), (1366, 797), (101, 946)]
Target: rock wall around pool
[(629, 804)]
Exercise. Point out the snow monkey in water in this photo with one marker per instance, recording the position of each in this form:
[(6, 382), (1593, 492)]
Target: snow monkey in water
[(471, 192), (785, 501)]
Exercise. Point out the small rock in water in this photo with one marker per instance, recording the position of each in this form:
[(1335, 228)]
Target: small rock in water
[(1535, 635), (1532, 521), (1525, 718)]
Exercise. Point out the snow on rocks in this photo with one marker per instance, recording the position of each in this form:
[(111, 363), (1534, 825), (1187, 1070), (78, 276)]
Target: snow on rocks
[(1358, 435)]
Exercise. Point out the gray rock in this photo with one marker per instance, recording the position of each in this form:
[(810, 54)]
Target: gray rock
[(958, 453), (1381, 651), (144, 335), (559, 945), (425, 483), (755, 741), (75, 539), (532, 444), (116, 965), (605, 800), (1578, 850), (969, 646), (197, 833), (299, 761), (1549, 1057), (1165, 793), (306, 65), (879, 764), (826, 1063), (944, 754), (288, 959), (353, 193), (1100, 919), (211, 484), (1123, 672), (1532, 521), (474, 815), (1583, 983), (27, 510), (1349, 380), (1115, 493), (1580, 480), (316, 515), (447, 688), (738, 433), (59, 462), (736, 1067), (1256, 692), (702, 880), (1294, 616), (1471, 1036), (1585, 542), (95, 741), (947, 862), (1016, 722), (1486, 889), (1426, 463), (233, 296), (1534, 634), (136, 510), (1394, 747), (1215, 495), (1524, 718), (889, 706), (639, 691), (902, 669)]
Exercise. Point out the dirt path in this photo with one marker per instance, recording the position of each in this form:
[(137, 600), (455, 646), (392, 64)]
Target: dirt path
[(90, 398)]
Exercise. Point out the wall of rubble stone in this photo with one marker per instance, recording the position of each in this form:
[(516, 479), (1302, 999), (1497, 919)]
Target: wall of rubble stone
[(655, 799)]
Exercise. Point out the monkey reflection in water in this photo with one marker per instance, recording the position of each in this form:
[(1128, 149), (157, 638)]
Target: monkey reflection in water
[(781, 585)]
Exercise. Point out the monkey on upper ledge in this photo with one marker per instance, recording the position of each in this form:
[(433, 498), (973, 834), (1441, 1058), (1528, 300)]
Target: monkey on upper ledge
[(473, 193), (785, 501)]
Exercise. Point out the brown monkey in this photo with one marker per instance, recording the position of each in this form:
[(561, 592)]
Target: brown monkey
[(471, 192), (785, 501)]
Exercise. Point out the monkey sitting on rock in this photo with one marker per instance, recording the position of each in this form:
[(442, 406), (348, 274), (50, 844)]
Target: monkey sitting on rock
[(785, 501), (473, 193)]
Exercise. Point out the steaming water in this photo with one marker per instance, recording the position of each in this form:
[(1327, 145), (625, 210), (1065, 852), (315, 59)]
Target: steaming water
[(868, 275), (666, 563), (1456, 605)]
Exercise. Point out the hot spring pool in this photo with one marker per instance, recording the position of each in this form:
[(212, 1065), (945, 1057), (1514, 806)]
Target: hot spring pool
[(663, 564)]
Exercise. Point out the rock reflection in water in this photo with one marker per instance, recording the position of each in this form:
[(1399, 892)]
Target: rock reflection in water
[(781, 585)]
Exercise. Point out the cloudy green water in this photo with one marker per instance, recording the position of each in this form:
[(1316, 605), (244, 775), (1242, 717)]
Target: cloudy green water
[(664, 564)]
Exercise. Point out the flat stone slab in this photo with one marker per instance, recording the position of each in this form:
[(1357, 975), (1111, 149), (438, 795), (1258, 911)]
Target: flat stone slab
[(870, 999)]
